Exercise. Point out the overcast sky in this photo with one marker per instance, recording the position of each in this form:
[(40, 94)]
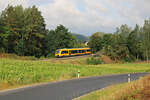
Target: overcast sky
[(88, 16)]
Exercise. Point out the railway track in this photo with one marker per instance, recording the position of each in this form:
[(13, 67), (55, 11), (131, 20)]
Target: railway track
[(66, 58), (72, 57)]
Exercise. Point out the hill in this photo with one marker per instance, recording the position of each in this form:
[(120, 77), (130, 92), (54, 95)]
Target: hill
[(80, 37)]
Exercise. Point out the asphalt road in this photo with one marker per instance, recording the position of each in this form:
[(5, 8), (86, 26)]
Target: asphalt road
[(66, 90)]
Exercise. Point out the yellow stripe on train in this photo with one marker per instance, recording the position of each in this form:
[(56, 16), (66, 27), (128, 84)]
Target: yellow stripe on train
[(72, 51)]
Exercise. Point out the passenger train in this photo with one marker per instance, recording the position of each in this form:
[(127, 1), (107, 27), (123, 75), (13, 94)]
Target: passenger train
[(72, 52)]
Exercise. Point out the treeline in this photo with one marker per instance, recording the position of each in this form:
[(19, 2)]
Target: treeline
[(125, 44), (23, 32)]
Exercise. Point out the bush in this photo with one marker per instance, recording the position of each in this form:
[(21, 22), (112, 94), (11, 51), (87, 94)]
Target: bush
[(93, 61), (129, 59), (2, 50)]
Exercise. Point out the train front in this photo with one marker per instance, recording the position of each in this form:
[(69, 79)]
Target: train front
[(57, 53)]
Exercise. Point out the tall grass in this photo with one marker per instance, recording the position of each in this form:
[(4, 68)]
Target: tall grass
[(21, 72)]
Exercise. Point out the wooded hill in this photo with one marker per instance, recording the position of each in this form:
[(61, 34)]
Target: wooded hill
[(80, 38)]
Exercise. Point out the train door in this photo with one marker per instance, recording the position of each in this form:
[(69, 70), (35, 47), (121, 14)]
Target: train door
[(69, 52)]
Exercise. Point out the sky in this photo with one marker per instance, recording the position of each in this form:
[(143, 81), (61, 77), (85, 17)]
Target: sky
[(88, 16)]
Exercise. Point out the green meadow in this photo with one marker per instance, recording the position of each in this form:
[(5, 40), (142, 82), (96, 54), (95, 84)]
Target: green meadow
[(16, 73)]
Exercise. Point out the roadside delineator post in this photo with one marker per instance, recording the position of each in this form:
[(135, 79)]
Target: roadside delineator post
[(129, 79), (78, 73)]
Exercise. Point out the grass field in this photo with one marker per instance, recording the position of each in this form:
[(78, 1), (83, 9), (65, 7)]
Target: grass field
[(76, 60), (14, 73), (137, 90)]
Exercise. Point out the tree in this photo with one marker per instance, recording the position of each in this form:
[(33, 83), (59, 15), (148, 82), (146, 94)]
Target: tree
[(51, 42), (115, 45), (95, 42), (124, 31), (19, 49), (66, 39), (4, 34), (35, 32), (146, 40), (9, 21), (117, 50), (106, 42), (12, 20), (133, 42), (59, 38)]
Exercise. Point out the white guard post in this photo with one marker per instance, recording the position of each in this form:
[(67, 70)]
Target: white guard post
[(129, 79), (78, 73)]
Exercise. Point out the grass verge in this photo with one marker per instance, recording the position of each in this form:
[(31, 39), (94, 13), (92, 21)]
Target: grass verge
[(14, 56), (137, 90), (14, 73)]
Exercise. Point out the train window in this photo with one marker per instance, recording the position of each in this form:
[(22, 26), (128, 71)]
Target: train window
[(80, 51), (74, 51), (57, 51), (88, 50), (63, 52)]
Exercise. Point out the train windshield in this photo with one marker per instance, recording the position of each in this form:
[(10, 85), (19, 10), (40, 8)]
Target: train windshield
[(57, 51)]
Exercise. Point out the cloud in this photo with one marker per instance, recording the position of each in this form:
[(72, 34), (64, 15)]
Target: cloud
[(131, 11), (94, 18), (89, 16), (5, 3)]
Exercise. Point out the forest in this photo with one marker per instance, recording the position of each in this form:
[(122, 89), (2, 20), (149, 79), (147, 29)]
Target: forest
[(23, 32), (125, 44)]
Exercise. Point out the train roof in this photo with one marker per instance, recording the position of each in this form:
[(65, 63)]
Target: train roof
[(72, 48)]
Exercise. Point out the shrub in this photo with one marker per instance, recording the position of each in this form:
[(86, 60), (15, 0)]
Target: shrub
[(2, 50), (93, 61), (129, 59)]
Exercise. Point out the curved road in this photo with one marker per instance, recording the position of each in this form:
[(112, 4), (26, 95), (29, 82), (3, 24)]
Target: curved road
[(66, 90)]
